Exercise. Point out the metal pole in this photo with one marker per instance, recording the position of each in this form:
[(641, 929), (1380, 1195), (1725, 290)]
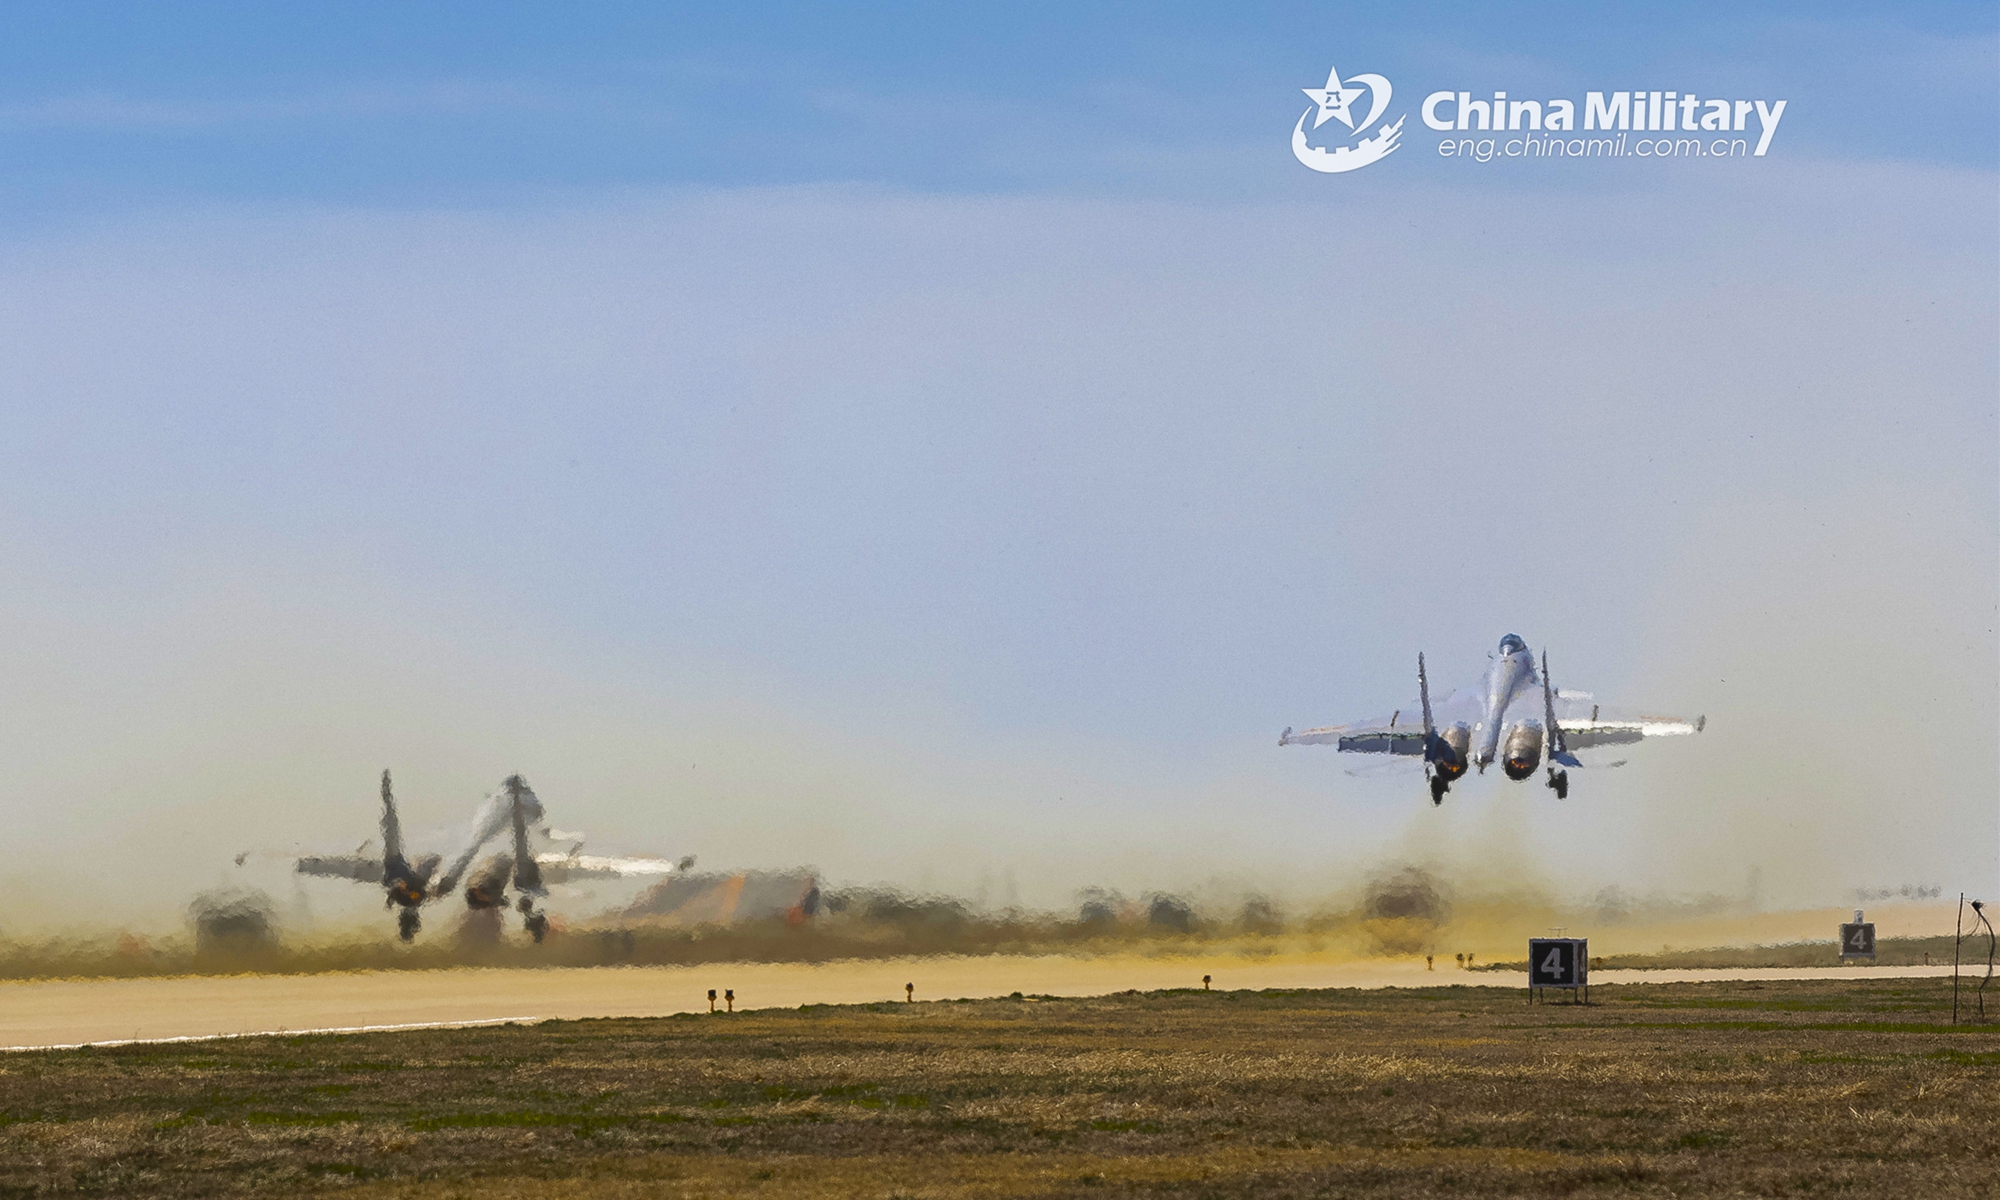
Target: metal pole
[(1978, 910), (1956, 937)]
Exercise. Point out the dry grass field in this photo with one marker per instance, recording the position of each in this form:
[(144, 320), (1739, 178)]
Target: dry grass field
[(1781, 1089)]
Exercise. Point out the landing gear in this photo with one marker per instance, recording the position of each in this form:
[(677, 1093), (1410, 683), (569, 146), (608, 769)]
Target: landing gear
[(1559, 780), (1439, 786), (537, 924), (407, 924)]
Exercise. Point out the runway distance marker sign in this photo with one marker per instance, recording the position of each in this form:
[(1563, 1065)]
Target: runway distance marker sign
[(1857, 939), (1562, 963)]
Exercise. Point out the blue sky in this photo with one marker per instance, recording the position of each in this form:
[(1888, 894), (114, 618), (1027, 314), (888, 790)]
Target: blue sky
[(395, 105), (949, 449)]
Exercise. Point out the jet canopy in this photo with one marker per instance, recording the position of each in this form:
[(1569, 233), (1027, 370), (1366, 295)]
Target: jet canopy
[(1512, 645)]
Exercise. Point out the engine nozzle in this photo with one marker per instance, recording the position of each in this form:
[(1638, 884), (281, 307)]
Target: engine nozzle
[(1451, 751), (1523, 752)]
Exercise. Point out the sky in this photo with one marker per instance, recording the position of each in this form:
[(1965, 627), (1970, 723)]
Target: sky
[(946, 447)]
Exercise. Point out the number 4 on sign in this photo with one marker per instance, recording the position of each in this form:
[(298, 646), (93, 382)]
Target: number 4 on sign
[(1552, 965)]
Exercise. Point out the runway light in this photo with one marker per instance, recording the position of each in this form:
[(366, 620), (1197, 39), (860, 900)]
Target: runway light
[(1204, 983), (711, 999), (909, 993), (729, 999)]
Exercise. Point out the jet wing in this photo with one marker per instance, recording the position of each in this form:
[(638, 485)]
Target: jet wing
[(555, 868), (1362, 737), (1401, 732), (569, 868), (1586, 723), (358, 867)]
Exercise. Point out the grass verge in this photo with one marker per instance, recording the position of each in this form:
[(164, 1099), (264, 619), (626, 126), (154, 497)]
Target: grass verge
[(1689, 1090)]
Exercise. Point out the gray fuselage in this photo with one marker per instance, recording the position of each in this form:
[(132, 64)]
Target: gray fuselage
[(1511, 675)]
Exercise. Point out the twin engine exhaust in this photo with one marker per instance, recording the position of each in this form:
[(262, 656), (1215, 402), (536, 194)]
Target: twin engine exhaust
[(1447, 751)]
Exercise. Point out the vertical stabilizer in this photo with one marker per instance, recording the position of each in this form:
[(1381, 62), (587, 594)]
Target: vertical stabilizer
[(527, 874), (1424, 693), (404, 882), (395, 865), (1434, 777), (1558, 741), (489, 820)]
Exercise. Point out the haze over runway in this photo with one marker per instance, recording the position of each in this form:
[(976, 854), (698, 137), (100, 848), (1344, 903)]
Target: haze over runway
[(950, 457)]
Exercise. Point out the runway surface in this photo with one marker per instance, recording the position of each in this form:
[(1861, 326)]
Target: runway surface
[(57, 1013)]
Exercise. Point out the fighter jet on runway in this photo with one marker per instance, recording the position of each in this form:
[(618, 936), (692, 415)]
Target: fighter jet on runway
[(410, 883), (1514, 714)]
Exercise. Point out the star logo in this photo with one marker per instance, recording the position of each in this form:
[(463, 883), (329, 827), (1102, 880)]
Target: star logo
[(1333, 100)]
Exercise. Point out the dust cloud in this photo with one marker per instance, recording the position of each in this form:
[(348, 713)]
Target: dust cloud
[(995, 567), (1399, 912)]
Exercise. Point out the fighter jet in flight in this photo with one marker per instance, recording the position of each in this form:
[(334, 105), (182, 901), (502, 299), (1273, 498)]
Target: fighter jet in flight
[(411, 883), (1514, 714)]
